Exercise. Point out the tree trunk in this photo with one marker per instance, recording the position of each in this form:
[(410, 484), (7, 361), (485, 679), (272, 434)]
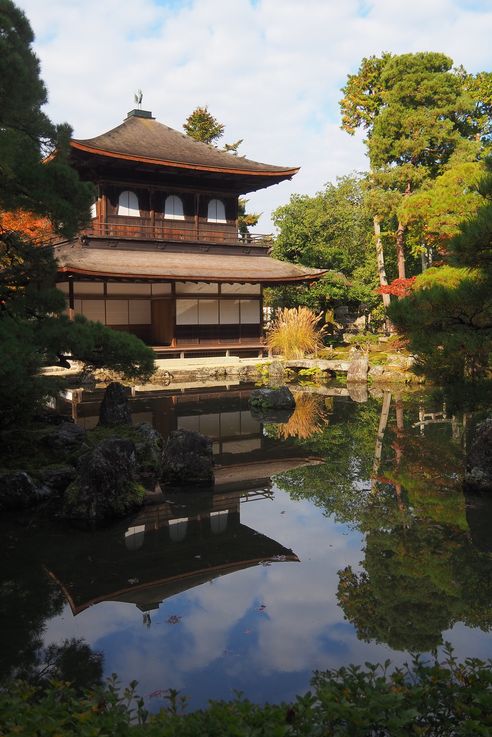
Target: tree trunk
[(400, 250), (400, 241), (380, 259), (378, 451)]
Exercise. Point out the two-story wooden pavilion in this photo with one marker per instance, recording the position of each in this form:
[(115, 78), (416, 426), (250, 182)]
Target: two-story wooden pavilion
[(163, 257)]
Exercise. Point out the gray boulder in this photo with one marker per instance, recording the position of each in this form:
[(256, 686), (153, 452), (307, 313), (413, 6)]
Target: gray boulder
[(149, 446), (269, 398), (57, 478), (272, 405), (114, 408), (19, 491), (187, 459), (66, 437), (478, 473), (105, 487), (359, 367)]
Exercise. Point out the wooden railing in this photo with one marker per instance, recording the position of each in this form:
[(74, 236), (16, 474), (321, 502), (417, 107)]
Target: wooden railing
[(145, 230)]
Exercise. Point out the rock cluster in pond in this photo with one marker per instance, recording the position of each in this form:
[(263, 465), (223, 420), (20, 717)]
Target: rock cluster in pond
[(99, 475), (272, 404), (478, 473), (187, 459), (106, 486)]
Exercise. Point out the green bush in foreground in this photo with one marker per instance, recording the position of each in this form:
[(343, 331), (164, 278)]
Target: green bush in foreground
[(426, 698)]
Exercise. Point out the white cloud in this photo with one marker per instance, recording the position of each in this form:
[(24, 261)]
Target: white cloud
[(270, 70)]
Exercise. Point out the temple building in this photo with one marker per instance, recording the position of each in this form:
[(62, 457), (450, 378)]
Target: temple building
[(163, 257)]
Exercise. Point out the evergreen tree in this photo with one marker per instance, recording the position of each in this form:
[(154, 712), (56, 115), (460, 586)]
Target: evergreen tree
[(417, 111), (448, 316), (40, 195), (202, 126), (331, 230)]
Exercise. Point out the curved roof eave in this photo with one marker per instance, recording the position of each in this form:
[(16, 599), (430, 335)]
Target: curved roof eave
[(186, 277), (278, 173)]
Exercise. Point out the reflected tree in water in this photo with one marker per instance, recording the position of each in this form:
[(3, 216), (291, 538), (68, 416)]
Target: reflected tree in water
[(28, 599), (393, 471)]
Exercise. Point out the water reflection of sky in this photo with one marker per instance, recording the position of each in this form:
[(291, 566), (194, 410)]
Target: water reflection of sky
[(263, 629)]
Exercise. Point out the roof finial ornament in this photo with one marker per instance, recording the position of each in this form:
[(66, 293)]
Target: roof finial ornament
[(138, 98)]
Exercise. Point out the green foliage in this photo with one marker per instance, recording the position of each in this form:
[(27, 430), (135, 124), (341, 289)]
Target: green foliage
[(50, 187), (448, 317), (435, 213), (202, 126), (427, 697), (33, 330), (331, 230), (421, 116)]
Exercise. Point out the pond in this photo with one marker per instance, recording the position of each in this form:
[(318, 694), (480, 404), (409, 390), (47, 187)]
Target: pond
[(340, 536)]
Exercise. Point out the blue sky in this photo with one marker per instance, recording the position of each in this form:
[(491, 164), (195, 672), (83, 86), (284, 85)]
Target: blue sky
[(270, 70)]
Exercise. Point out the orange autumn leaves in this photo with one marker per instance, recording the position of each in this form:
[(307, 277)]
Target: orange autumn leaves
[(35, 227)]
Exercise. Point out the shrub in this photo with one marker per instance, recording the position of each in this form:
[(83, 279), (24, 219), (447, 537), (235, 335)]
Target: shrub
[(296, 332), (425, 698)]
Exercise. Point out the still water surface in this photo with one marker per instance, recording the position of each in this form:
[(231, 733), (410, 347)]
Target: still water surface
[(338, 537)]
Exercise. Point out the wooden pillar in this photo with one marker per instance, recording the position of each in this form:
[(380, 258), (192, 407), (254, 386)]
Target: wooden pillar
[(104, 212), (152, 212), (197, 216), (173, 292), (262, 331), (71, 299)]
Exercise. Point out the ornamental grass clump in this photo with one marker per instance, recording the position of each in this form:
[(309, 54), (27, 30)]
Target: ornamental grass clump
[(296, 332)]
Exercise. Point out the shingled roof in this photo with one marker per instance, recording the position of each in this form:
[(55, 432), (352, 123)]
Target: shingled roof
[(141, 138), (154, 264)]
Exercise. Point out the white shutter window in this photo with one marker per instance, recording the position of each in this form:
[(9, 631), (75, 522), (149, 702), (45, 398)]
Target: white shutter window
[(216, 212), (173, 208), (128, 204)]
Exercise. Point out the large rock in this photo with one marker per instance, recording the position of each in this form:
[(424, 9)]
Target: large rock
[(19, 491), (187, 459), (57, 478), (65, 438), (149, 446), (267, 398), (272, 405), (478, 473), (114, 408), (359, 367), (106, 487)]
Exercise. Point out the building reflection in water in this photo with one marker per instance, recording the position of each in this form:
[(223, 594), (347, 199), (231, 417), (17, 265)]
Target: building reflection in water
[(166, 549), (191, 538)]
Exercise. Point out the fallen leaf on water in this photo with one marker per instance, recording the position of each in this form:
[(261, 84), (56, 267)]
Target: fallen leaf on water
[(174, 619)]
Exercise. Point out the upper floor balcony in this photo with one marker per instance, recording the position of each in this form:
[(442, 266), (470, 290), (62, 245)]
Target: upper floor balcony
[(147, 229)]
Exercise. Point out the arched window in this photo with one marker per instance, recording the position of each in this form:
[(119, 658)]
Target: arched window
[(128, 204), (93, 210), (173, 208), (216, 212)]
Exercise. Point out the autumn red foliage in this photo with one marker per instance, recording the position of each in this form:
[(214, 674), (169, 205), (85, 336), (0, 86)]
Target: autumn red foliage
[(38, 229), (398, 287)]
